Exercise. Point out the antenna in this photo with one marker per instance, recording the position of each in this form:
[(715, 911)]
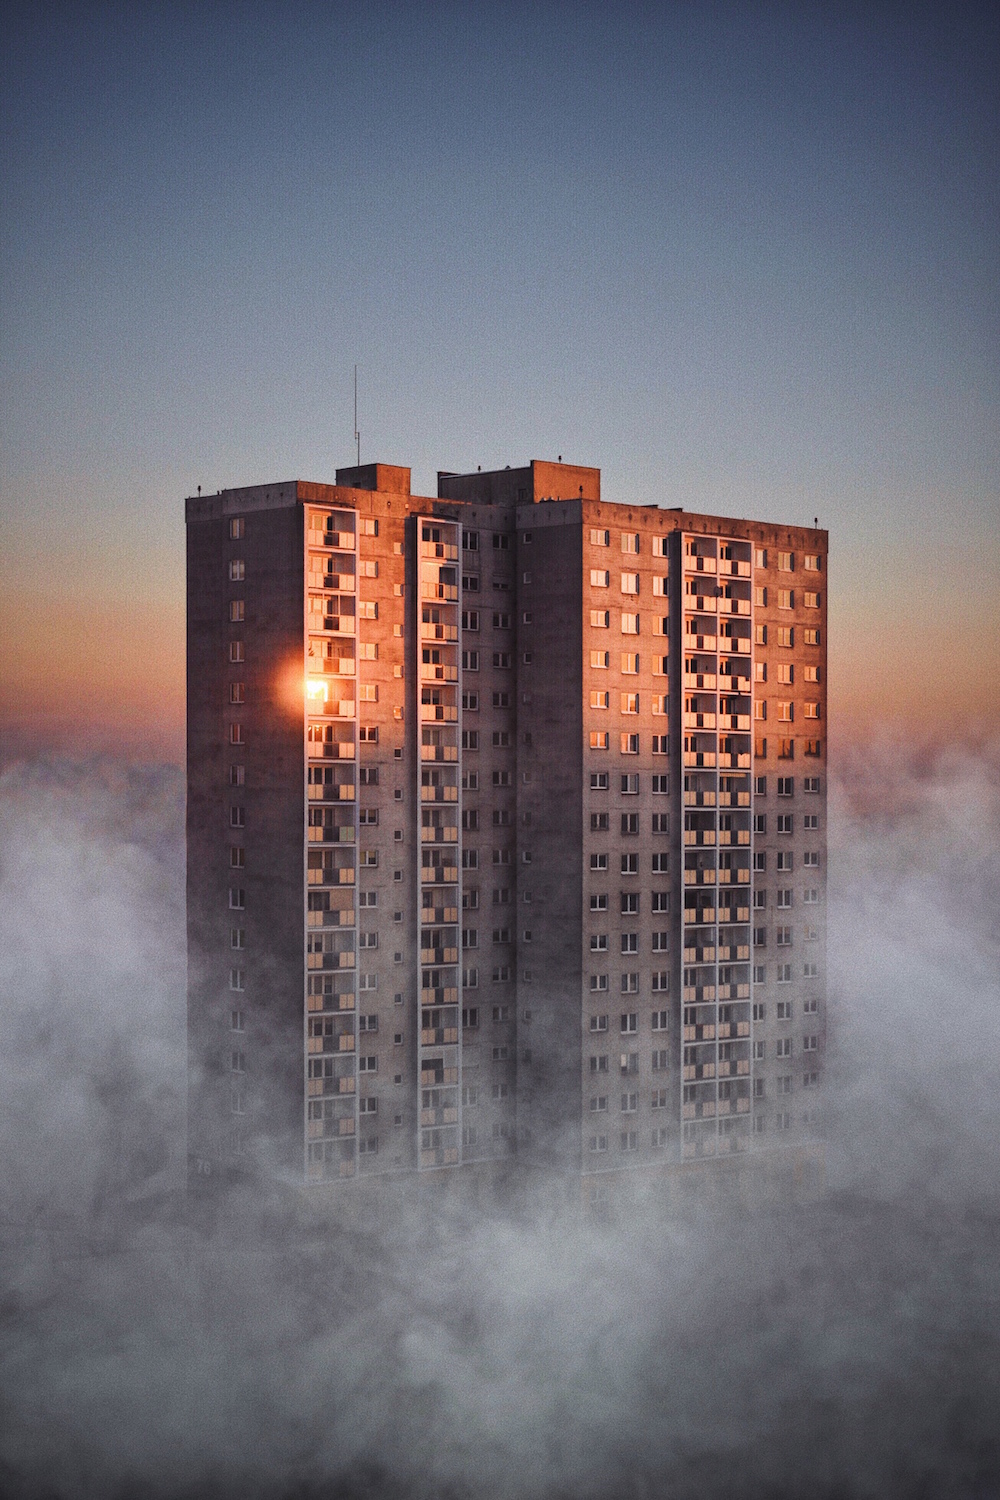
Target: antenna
[(357, 434)]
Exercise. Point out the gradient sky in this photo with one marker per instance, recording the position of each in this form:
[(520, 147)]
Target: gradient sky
[(742, 258)]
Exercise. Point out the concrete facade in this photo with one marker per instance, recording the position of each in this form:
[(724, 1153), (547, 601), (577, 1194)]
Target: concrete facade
[(524, 797)]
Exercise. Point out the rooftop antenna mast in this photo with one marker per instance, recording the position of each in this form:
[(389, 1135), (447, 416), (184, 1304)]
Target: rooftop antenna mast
[(357, 434)]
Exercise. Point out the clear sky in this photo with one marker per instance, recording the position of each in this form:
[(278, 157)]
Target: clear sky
[(742, 258)]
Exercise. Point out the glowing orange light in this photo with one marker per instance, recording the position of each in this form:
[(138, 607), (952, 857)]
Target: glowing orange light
[(316, 690)]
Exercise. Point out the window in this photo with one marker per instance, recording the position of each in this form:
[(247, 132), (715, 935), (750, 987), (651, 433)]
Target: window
[(810, 971), (660, 1060), (810, 601), (760, 597), (784, 860), (810, 710), (470, 541), (599, 1064), (600, 578), (758, 1051), (784, 937), (630, 624), (237, 857), (237, 570), (786, 822), (630, 744), (784, 974), (599, 739), (599, 902), (661, 862), (598, 861), (598, 781), (470, 619), (630, 864), (599, 659), (760, 822), (630, 583), (598, 983), (760, 937), (630, 823), (784, 1010), (810, 1007), (598, 1023), (760, 861), (661, 744), (660, 901), (629, 903), (760, 635), (600, 538), (237, 899), (661, 823), (660, 942), (470, 661), (630, 662), (659, 1020), (660, 982), (599, 822), (661, 786), (598, 1143), (600, 619), (786, 749), (630, 984), (598, 942), (500, 739), (760, 786), (630, 703), (600, 700), (236, 979), (630, 942)]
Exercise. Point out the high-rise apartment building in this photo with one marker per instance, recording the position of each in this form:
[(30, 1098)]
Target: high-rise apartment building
[(506, 828)]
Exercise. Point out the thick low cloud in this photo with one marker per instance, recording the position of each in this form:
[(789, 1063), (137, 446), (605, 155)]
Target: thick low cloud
[(837, 1348)]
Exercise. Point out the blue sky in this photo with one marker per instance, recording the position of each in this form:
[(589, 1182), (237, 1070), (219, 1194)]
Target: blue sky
[(742, 258)]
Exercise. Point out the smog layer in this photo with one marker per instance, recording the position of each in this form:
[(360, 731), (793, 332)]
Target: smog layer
[(847, 1346)]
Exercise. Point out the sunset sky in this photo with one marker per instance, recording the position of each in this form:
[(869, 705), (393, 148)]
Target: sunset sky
[(742, 258)]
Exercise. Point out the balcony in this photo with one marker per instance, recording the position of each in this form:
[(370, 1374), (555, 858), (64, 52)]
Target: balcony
[(703, 837), (699, 877), (699, 994), (439, 633), (701, 604), (438, 713), (699, 916), (342, 541), (699, 564), (699, 955), (699, 799), (704, 1033), (439, 794), (703, 681), (692, 1072), (439, 956), (447, 1115), (699, 721), (447, 1156), (439, 1036), (342, 793), (448, 592), (434, 1074), (439, 835), (439, 752), (734, 799), (700, 759), (440, 916), (343, 835), (439, 551)]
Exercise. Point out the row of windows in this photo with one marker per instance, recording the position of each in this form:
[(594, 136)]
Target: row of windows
[(629, 1063), (784, 711), (629, 1102), (786, 785), (630, 784), (629, 942), (629, 702), (785, 673), (600, 739), (629, 1025), (785, 898), (629, 1140), (783, 973), (786, 598), (630, 863), (785, 822), (659, 982), (784, 860), (600, 578), (600, 822), (600, 619), (784, 635), (659, 901), (784, 749)]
